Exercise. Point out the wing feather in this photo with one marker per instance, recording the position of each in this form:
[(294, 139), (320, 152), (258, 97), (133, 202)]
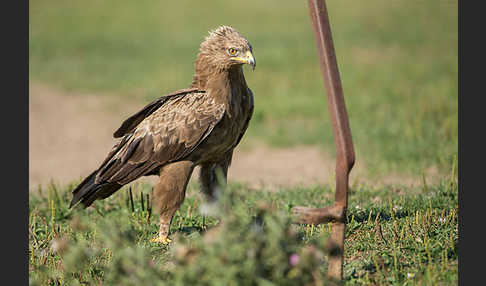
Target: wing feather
[(131, 123), (169, 133)]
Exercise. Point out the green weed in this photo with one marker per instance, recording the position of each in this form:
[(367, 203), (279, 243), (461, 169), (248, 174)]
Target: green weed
[(247, 239)]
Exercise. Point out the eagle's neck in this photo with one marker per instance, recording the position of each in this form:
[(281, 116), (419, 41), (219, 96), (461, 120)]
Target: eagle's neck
[(204, 69), (225, 85)]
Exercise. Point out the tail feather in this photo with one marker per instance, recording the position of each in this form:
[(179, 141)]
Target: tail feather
[(88, 191)]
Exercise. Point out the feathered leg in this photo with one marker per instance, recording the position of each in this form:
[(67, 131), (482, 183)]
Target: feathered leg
[(209, 176), (169, 194)]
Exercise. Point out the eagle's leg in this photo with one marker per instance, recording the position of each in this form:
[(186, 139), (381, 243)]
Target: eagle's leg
[(212, 175), (169, 194)]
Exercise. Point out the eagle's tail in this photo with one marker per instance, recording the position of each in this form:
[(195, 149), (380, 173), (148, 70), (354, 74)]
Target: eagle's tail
[(88, 191)]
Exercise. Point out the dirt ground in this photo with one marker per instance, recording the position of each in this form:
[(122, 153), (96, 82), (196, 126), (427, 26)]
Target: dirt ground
[(71, 133)]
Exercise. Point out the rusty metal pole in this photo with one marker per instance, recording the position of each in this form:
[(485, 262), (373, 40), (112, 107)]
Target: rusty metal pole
[(342, 140)]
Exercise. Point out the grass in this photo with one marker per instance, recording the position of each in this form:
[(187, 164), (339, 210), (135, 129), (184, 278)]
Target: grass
[(398, 63), (395, 236)]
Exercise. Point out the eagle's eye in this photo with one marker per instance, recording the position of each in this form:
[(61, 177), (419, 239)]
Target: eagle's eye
[(232, 52)]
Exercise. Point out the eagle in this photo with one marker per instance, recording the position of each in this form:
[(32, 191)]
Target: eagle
[(196, 126)]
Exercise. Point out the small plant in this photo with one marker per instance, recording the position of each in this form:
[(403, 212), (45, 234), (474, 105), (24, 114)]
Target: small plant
[(246, 239), (259, 247)]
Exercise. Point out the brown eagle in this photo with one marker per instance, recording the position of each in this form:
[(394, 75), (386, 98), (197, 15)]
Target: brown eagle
[(200, 125)]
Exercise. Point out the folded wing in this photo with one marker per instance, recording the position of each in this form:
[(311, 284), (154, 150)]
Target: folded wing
[(171, 128)]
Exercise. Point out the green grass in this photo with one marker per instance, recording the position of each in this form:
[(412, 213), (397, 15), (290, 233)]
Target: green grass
[(398, 63), (395, 236)]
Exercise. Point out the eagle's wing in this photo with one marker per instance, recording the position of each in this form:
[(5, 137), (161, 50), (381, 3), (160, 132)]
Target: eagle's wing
[(166, 133), (131, 122)]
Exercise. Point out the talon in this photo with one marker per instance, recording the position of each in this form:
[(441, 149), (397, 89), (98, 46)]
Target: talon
[(163, 240)]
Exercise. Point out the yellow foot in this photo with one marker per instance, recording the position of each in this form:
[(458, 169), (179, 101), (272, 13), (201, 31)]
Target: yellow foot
[(163, 240)]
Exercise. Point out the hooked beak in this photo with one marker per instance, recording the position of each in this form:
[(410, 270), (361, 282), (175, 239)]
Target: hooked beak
[(247, 59)]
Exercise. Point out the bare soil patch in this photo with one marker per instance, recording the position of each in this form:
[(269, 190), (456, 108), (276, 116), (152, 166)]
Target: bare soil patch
[(71, 133)]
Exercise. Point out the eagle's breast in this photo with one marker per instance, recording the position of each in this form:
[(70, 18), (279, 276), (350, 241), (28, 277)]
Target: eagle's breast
[(228, 131)]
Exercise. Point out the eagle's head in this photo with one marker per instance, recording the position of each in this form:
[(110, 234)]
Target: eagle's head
[(225, 48)]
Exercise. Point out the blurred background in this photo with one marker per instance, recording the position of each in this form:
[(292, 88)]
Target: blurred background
[(94, 63)]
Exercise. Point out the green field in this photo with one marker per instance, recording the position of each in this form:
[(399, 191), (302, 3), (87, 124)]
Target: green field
[(398, 63), (395, 236)]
